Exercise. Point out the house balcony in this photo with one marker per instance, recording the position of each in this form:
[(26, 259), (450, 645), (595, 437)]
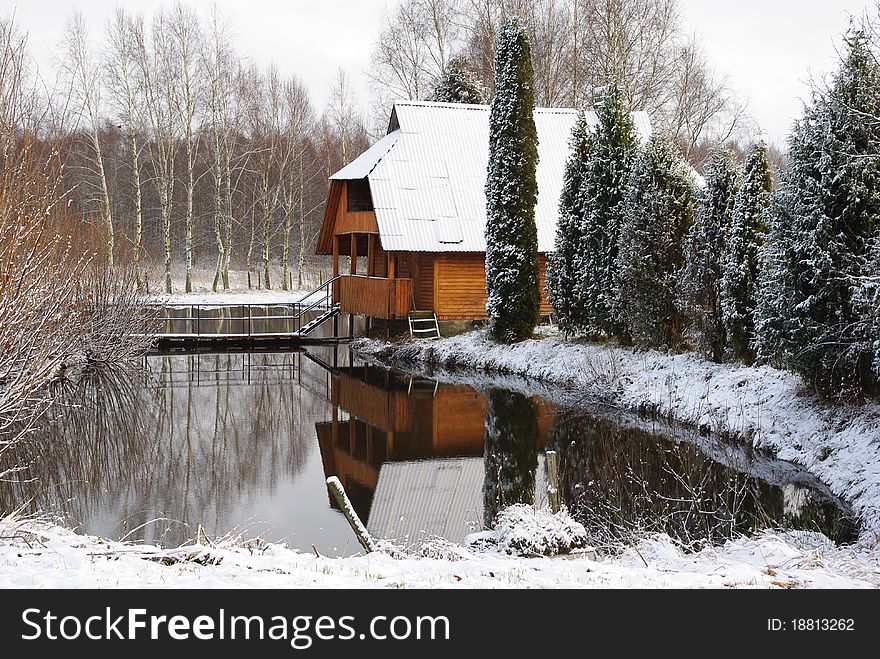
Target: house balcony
[(376, 297)]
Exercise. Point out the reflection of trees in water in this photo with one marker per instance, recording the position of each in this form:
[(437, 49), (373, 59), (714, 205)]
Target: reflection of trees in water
[(510, 453), (96, 432), (622, 480), (132, 452)]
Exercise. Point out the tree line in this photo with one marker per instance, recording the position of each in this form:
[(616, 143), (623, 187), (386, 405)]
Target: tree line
[(649, 252), (734, 268), (576, 46), (181, 148)]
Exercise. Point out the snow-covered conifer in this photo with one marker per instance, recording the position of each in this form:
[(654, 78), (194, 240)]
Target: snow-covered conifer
[(822, 222), (748, 233), (562, 270), (705, 252), (601, 198), (512, 268), (458, 85), (657, 214)]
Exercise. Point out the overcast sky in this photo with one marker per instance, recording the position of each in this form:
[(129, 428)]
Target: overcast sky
[(769, 49)]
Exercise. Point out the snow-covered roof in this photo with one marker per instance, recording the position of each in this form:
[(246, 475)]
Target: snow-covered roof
[(361, 166), (428, 175)]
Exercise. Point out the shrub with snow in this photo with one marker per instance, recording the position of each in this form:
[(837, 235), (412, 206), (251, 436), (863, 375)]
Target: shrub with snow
[(523, 530)]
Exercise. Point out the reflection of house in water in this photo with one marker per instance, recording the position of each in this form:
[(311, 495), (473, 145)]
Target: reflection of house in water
[(409, 452)]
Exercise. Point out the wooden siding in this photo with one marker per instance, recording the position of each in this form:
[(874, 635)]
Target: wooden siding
[(423, 281), (380, 260), (546, 309), (376, 297), (460, 281), (362, 222), (338, 221)]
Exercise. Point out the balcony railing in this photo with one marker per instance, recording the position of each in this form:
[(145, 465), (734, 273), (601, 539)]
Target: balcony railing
[(376, 297)]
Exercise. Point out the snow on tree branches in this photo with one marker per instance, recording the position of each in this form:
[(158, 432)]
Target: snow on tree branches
[(705, 251), (458, 85), (823, 220), (601, 198), (657, 214), (512, 269), (562, 270), (747, 236)]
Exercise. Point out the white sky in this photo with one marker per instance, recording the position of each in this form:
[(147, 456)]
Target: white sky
[(768, 48)]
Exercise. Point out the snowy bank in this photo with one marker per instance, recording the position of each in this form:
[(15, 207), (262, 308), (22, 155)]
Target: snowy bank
[(840, 445), (36, 554)]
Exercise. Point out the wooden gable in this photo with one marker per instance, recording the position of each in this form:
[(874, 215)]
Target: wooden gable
[(339, 220)]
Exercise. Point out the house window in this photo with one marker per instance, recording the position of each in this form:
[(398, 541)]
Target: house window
[(359, 197)]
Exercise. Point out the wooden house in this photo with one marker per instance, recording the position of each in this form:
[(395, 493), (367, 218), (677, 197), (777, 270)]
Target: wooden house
[(412, 208)]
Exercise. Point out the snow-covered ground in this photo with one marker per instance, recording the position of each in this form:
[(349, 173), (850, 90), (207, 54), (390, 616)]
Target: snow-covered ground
[(253, 296), (239, 293), (769, 407), (37, 554)]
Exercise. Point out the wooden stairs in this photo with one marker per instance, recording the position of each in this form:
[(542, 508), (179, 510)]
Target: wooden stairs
[(423, 325)]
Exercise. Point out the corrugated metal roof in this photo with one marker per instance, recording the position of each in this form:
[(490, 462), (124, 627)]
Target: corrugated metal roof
[(361, 166), (443, 497), (428, 190)]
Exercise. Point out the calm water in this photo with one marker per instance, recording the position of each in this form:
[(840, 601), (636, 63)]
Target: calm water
[(243, 443)]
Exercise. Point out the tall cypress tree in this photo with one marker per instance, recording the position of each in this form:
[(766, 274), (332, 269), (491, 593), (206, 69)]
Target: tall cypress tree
[(748, 233), (458, 85), (656, 217), (562, 270), (512, 268), (601, 197), (705, 251), (823, 220)]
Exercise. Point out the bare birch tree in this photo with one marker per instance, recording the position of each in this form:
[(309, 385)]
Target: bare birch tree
[(125, 88), (187, 43), (299, 122), (83, 73), (218, 66), (159, 71)]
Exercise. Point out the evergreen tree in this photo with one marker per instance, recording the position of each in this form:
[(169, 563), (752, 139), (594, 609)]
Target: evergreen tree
[(512, 269), (510, 453), (824, 217), (869, 296), (705, 251), (562, 269), (601, 197), (741, 266), (657, 214), (458, 85)]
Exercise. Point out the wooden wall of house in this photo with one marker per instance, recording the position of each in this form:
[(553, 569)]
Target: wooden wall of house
[(380, 262), (423, 284), (418, 266), (460, 281)]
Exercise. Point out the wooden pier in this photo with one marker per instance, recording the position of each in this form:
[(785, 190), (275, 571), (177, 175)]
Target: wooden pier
[(253, 326)]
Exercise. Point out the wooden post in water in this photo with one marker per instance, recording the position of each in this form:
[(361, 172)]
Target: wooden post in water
[(363, 536), (553, 485)]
